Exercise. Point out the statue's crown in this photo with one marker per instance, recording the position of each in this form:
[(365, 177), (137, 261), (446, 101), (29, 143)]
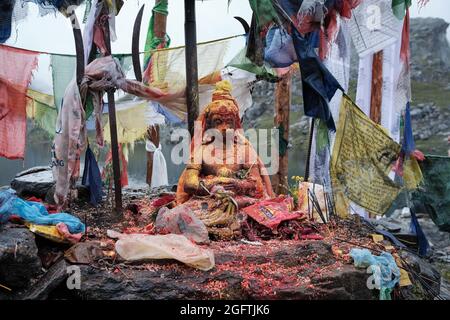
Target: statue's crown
[(224, 86)]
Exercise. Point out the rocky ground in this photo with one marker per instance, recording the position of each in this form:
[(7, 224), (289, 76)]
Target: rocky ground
[(273, 270), (35, 268), (399, 222)]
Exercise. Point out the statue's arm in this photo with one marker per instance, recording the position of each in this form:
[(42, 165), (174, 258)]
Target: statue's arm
[(193, 169), (252, 164), (192, 183)]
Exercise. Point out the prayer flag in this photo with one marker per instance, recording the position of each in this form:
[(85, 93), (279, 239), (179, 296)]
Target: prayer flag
[(361, 161), (16, 66), (319, 85)]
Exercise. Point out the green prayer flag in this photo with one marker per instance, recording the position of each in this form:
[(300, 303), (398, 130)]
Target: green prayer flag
[(322, 140), (240, 61), (63, 72), (152, 42), (399, 8), (434, 194), (264, 12)]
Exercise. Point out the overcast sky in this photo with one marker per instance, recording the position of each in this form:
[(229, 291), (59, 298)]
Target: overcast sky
[(53, 33)]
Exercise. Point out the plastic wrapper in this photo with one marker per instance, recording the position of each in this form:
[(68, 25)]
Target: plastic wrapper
[(181, 220), (138, 247), (272, 212), (384, 269)]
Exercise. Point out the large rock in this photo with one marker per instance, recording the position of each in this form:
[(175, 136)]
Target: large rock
[(83, 194), (47, 283), (19, 261), (33, 182), (38, 182), (430, 51), (421, 268), (429, 120), (276, 270)]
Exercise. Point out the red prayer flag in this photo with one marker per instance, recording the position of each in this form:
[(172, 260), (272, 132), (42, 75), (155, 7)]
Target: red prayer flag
[(16, 66)]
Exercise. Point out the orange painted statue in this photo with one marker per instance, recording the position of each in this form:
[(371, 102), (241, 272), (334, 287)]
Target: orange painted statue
[(224, 173)]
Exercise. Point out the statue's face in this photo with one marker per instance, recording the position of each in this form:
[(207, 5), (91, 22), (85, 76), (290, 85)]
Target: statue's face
[(222, 122), (221, 118)]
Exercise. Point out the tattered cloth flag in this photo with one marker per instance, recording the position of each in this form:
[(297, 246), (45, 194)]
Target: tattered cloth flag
[(70, 140), (408, 167), (264, 72), (361, 161), (154, 42), (61, 5), (435, 190), (416, 229), (318, 84), (6, 15), (264, 12), (16, 66), (322, 16), (338, 63), (41, 109), (409, 144), (12, 11), (279, 51), (108, 174), (63, 71), (400, 7), (92, 178)]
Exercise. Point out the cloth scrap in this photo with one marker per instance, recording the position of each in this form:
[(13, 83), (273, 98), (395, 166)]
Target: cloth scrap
[(70, 140), (35, 212), (318, 84), (92, 178)]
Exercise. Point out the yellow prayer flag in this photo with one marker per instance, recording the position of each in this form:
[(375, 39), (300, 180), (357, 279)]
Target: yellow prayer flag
[(362, 157), (412, 175), (168, 67), (131, 123)]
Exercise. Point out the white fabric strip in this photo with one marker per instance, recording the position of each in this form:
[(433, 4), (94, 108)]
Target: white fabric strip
[(338, 63), (159, 173), (88, 32)]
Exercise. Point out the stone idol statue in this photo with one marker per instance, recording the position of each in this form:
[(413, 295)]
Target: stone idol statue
[(224, 173)]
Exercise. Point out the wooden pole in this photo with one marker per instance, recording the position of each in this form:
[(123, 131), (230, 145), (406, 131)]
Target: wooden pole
[(190, 35), (282, 108), (376, 96), (113, 131), (159, 29), (377, 87)]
